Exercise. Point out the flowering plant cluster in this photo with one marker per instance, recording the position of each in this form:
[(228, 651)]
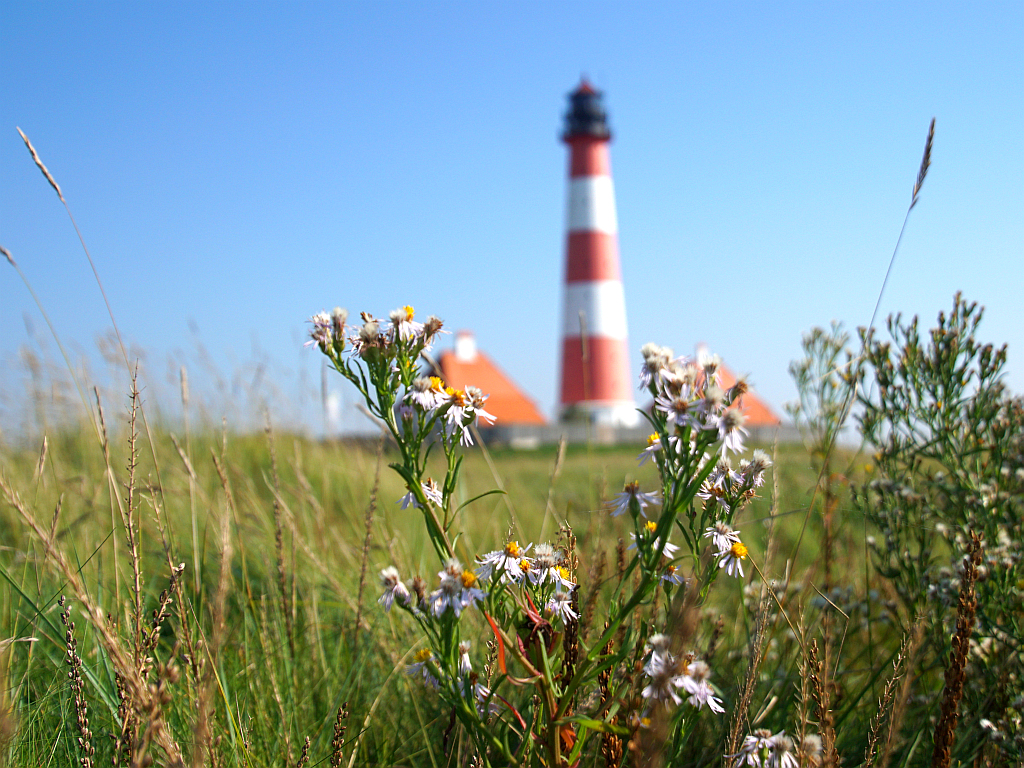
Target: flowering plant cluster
[(534, 700)]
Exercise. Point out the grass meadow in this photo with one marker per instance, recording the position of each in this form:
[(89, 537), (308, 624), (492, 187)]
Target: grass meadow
[(273, 666), (176, 594)]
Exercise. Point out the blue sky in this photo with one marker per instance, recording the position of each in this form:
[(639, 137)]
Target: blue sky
[(236, 167)]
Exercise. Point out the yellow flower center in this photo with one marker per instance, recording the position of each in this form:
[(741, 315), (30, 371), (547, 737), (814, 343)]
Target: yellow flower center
[(422, 655), (653, 439), (512, 549), (651, 526), (457, 395), (468, 579), (525, 565), (437, 384), (409, 311), (738, 550), (562, 571)]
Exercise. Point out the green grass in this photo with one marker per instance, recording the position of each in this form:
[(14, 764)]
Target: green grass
[(266, 697)]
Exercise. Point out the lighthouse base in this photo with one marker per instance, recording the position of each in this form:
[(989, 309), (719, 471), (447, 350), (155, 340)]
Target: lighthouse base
[(615, 413)]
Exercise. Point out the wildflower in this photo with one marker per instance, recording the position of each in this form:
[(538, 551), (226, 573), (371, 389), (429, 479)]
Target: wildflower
[(665, 680), (782, 753), (457, 591), (809, 751), (404, 327), (650, 529), (730, 430), (504, 561), (431, 328), (653, 446), (678, 409), (731, 559), (632, 500), (753, 471), (655, 359), (672, 575), (679, 379), (466, 409), (393, 588), (322, 332), (476, 401), (465, 667), (338, 318), (427, 394), (722, 536), (430, 490), (560, 604), (368, 340), (755, 747), (485, 700), (545, 567), (713, 401), (710, 364), (423, 661), (695, 682)]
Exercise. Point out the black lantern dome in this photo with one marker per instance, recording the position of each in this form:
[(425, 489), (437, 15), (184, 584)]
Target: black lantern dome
[(586, 115)]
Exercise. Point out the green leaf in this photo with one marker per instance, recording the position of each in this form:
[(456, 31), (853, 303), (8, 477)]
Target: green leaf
[(477, 498)]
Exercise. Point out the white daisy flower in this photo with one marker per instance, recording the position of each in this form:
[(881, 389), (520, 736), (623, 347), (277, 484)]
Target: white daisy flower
[(653, 446), (430, 490), (665, 680), (560, 604), (505, 562), (322, 332), (546, 566), (426, 393), (458, 590), (732, 558), (672, 575), (393, 588), (655, 359), (424, 659), (695, 682), (730, 430), (678, 409), (465, 666), (403, 325), (710, 365), (722, 536), (476, 401), (755, 746), (756, 467), (630, 495), (782, 752)]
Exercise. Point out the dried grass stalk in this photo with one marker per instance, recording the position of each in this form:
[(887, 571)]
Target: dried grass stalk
[(953, 690), (40, 166), (925, 162), (886, 701)]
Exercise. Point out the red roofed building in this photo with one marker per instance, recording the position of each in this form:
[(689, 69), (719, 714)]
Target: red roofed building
[(467, 366)]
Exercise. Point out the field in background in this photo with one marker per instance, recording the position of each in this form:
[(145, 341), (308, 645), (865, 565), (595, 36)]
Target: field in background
[(287, 660)]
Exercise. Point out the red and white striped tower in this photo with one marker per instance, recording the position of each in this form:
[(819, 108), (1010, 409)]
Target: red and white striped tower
[(596, 381)]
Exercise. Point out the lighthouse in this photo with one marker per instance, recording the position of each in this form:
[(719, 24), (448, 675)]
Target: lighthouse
[(596, 384)]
